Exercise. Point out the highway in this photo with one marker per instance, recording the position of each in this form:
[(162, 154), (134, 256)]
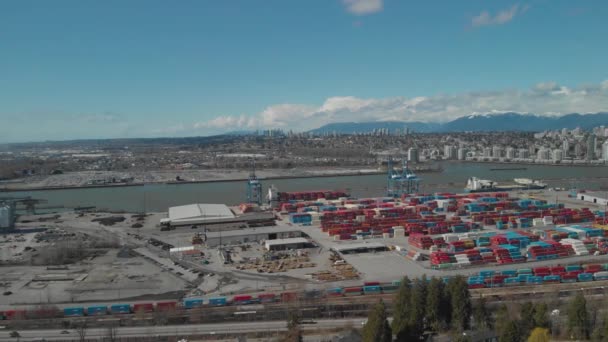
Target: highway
[(175, 330)]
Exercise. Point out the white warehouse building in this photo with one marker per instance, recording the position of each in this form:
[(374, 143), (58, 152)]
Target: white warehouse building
[(593, 197)]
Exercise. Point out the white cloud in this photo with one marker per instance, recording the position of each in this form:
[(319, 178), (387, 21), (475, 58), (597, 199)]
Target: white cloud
[(363, 7), (502, 17), (548, 98)]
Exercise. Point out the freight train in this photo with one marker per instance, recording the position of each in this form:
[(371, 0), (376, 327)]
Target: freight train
[(483, 279)]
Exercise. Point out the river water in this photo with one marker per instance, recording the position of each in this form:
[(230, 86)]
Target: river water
[(158, 197)]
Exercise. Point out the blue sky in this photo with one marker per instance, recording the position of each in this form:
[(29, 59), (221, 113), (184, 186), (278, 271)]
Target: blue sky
[(141, 68)]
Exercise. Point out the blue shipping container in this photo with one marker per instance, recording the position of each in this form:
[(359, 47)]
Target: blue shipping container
[(71, 312), (192, 303), (120, 308), (97, 310), (217, 301)]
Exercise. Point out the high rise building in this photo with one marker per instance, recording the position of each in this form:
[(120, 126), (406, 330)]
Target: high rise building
[(449, 152), (605, 151), (543, 154), (412, 155), (487, 152), (566, 147), (497, 152), (462, 153), (578, 150), (510, 153), (591, 142), (558, 155), (524, 153)]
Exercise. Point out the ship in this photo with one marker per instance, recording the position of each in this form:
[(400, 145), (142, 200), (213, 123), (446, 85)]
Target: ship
[(475, 184)]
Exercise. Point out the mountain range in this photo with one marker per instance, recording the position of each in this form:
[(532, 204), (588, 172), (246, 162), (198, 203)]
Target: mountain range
[(478, 123)]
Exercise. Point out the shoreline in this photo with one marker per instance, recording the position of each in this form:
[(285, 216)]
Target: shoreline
[(93, 186)]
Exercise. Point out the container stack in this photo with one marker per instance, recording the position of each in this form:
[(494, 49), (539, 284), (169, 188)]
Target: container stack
[(420, 241), (577, 245), (442, 260)]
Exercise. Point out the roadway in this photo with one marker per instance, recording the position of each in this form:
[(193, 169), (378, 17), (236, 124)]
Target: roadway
[(176, 330)]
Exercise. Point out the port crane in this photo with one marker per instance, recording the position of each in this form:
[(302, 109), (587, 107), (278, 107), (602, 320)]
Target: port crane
[(401, 182), (254, 187)]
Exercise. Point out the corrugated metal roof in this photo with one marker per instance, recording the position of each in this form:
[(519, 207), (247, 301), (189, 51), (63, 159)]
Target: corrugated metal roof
[(200, 211), (285, 241)]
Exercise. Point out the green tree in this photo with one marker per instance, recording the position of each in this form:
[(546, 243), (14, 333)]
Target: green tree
[(418, 306), (600, 333), (402, 310), (578, 317), (541, 315), (376, 328), (539, 335), (502, 318), (435, 304), (481, 315), (460, 303), (294, 332), (510, 333), (526, 318)]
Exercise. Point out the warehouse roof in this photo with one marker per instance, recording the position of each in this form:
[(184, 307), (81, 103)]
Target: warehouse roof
[(278, 242), (191, 211), (359, 246)]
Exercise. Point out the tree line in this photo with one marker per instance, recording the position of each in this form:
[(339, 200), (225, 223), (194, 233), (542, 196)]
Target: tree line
[(424, 307)]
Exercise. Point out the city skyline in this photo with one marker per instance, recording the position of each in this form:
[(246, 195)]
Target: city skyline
[(153, 68)]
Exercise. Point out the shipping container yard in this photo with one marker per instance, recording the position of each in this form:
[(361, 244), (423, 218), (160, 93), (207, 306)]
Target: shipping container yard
[(323, 244)]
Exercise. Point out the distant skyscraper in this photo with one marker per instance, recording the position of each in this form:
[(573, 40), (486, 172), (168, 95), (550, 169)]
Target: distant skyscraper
[(510, 153), (566, 147), (558, 155), (543, 153), (449, 152), (412, 155), (524, 153), (497, 152), (605, 151), (591, 142), (487, 152), (462, 153)]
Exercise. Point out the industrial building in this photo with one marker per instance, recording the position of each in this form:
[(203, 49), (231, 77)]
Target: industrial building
[(594, 197), (236, 237), (285, 244), (213, 214), (365, 247)]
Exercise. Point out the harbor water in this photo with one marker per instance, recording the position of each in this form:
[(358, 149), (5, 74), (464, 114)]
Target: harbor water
[(158, 197)]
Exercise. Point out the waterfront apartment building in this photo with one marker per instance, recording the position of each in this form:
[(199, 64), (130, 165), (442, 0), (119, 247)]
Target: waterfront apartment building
[(591, 142), (412, 155), (497, 152), (462, 153)]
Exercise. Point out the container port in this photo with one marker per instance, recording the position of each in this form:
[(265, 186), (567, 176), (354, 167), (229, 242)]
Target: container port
[(319, 244)]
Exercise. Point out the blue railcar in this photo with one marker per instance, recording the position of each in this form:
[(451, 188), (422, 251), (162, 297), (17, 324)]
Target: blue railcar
[(120, 309), (336, 291), (552, 278), (97, 310), (73, 312), (220, 301), (511, 281), (388, 288), (582, 277), (534, 280), (373, 289), (190, 303)]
